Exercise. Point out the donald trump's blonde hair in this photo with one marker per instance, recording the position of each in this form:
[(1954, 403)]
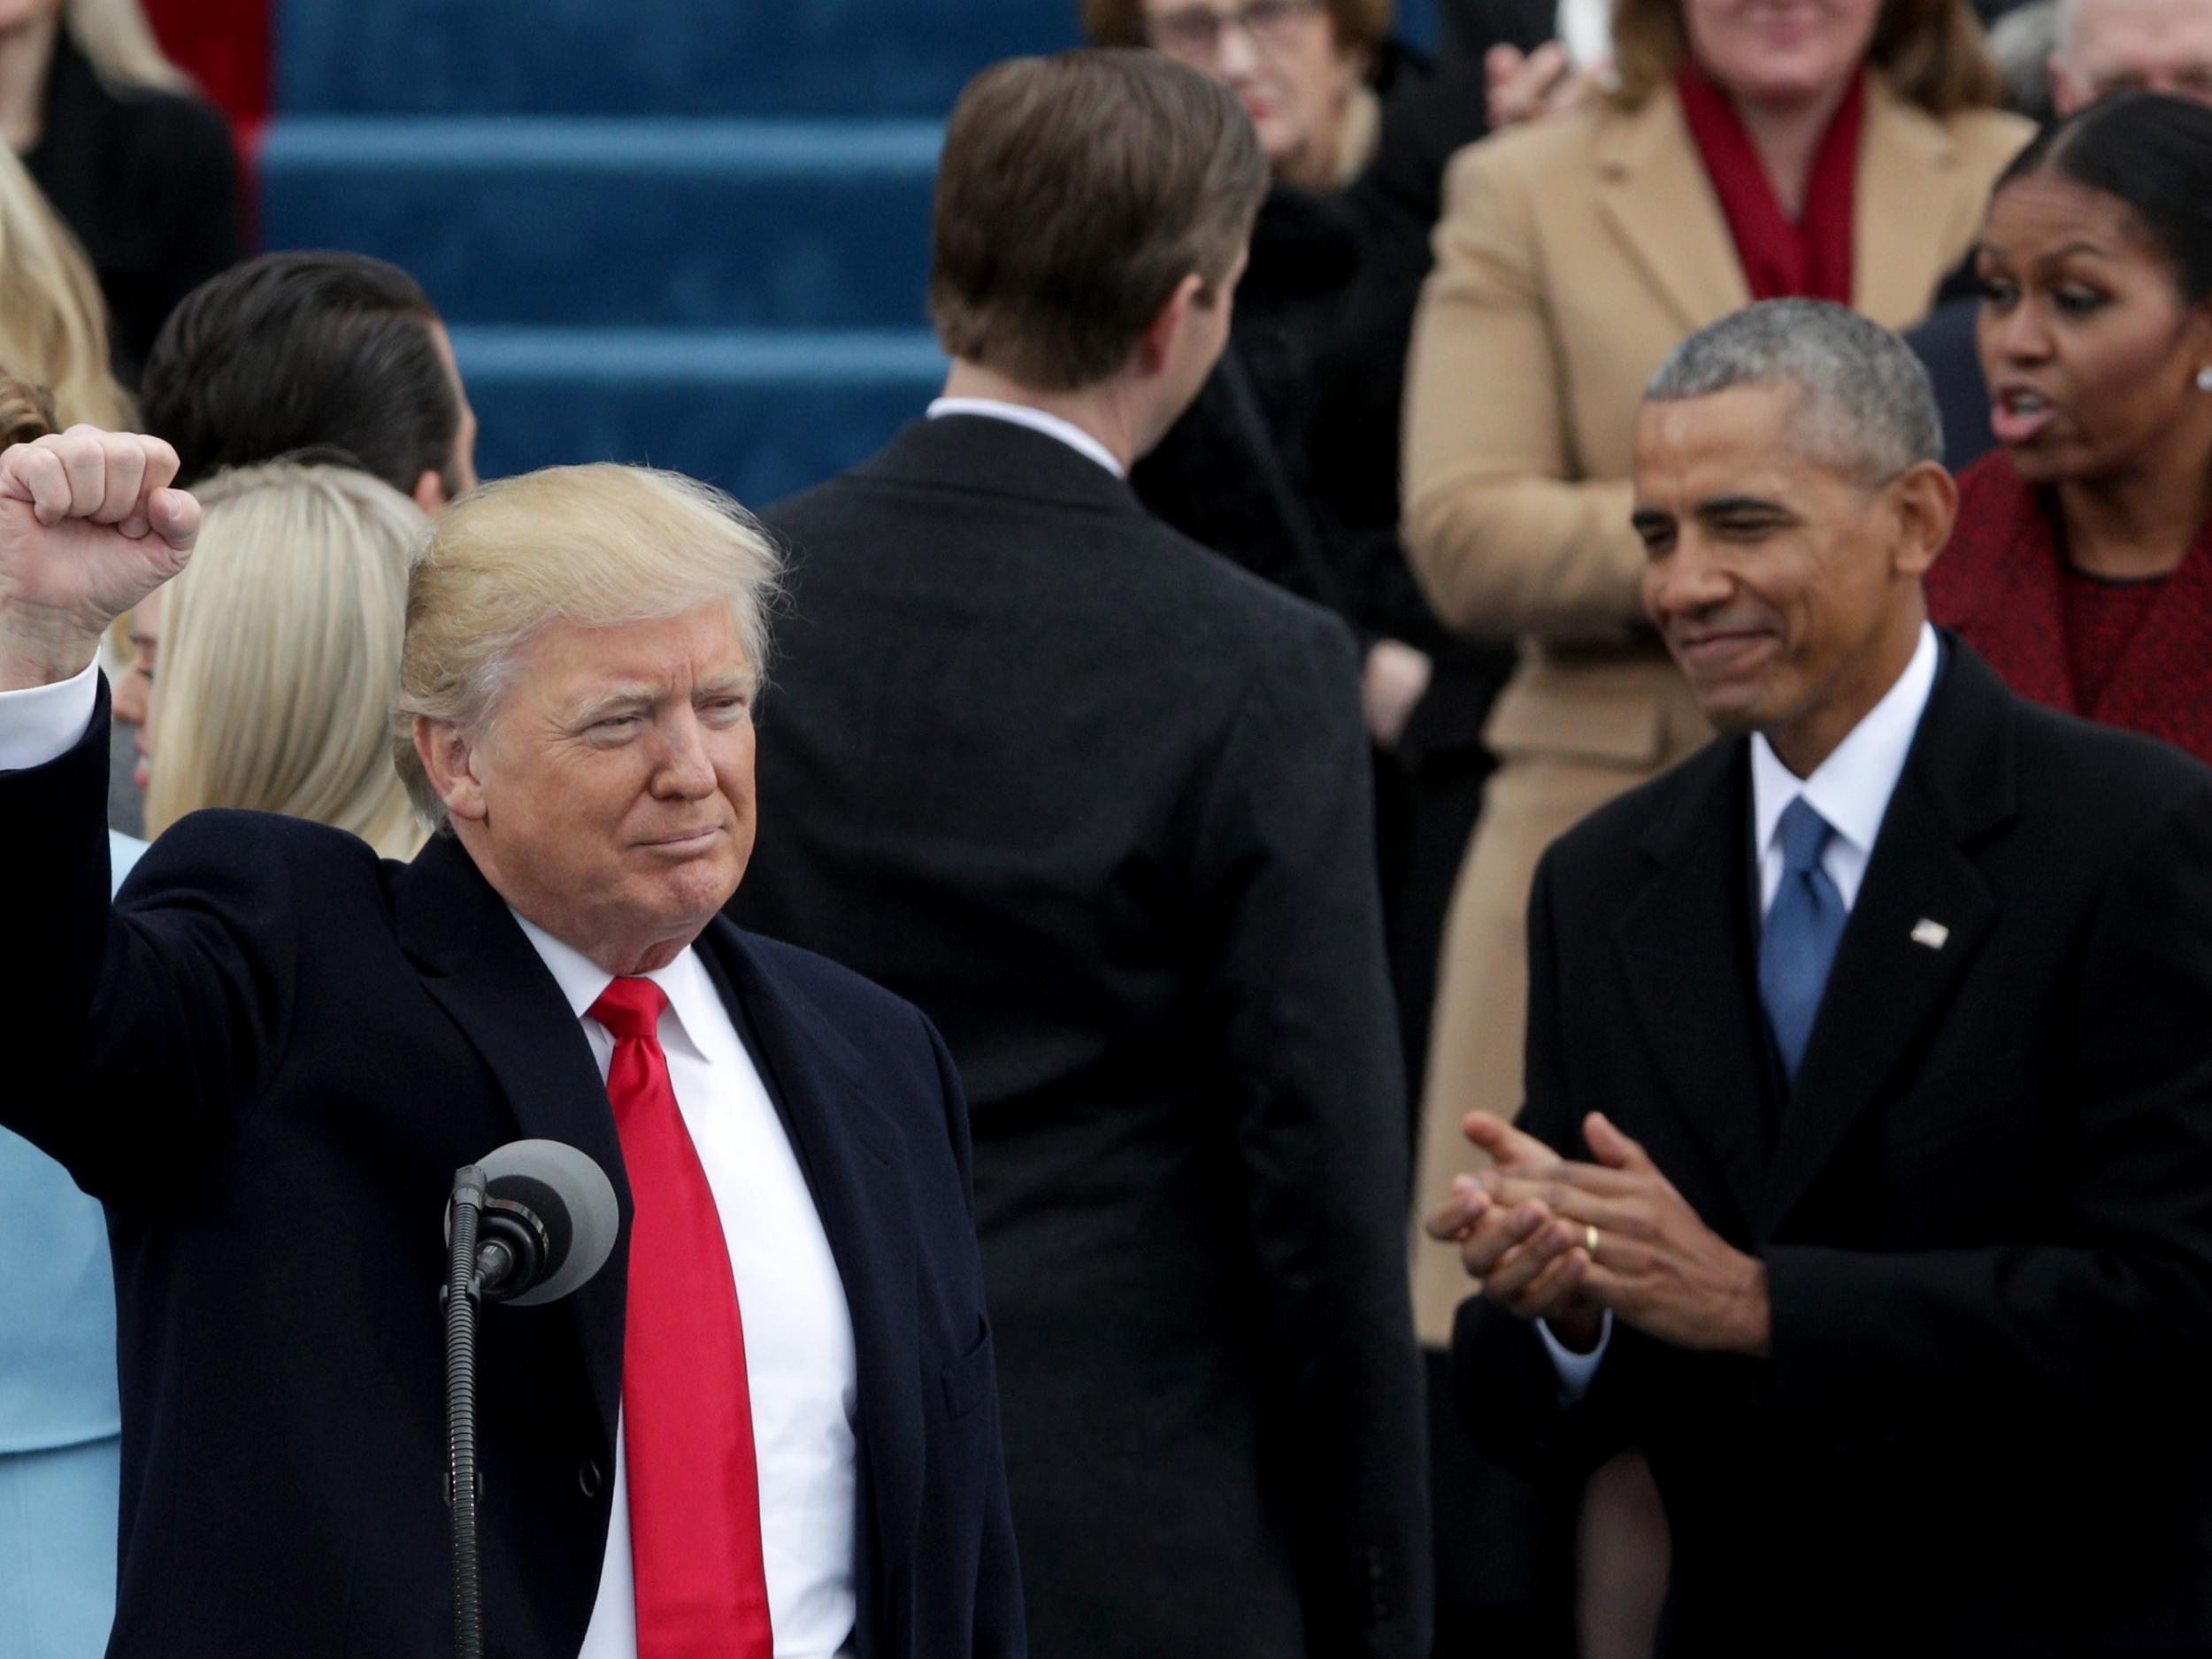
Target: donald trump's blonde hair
[(599, 546)]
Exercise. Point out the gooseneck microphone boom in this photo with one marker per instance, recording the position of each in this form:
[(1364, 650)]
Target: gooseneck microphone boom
[(528, 1224)]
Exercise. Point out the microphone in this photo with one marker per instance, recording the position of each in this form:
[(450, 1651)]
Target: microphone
[(548, 1221), (526, 1224)]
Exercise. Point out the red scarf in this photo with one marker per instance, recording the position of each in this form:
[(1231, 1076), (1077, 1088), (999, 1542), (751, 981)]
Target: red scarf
[(1808, 258)]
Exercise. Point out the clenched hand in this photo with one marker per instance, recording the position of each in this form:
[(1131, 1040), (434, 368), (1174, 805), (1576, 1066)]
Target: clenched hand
[(88, 526)]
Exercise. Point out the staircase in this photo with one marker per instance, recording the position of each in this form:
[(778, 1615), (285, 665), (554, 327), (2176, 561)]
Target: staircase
[(692, 232)]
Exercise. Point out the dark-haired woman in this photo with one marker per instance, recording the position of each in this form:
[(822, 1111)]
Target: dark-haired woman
[(2082, 565)]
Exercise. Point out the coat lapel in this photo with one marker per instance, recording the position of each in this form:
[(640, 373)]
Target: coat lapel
[(852, 1154), (1892, 975), (1654, 193), (1905, 197), (1687, 943), (479, 966)]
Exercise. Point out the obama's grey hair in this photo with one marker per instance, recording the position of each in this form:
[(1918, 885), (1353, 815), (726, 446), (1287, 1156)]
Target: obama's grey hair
[(1865, 405)]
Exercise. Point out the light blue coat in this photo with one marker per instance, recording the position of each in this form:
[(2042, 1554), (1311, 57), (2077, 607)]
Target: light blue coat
[(59, 1420)]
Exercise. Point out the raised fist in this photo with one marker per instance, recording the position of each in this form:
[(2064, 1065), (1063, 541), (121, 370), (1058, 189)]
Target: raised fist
[(88, 526)]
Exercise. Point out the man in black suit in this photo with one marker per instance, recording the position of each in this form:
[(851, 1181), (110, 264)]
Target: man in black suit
[(1878, 1041), (769, 1425), (1097, 799)]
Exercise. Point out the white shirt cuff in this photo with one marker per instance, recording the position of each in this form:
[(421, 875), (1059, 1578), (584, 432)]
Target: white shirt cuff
[(43, 723), (1576, 1370)]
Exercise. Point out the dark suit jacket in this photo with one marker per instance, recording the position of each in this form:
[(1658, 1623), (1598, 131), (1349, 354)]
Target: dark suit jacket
[(1098, 801), (1472, 27), (1986, 1208), (269, 1059), (149, 181)]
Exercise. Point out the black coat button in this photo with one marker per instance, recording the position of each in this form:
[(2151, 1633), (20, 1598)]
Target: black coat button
[(590, 1478)]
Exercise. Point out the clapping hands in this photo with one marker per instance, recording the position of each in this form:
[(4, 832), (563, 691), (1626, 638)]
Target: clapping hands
[(1552, 1238)]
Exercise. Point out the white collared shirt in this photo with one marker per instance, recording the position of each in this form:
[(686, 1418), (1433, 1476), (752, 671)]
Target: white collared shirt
[(799, 1361), (1037, 421), (43, 723), (1851, 790)]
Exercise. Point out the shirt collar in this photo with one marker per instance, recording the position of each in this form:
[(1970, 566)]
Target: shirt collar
[(1037, 421), (1852, 787), (699, 1018)]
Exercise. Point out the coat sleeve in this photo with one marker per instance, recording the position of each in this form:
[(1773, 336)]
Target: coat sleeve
[(1504, 1381), (1503, 537), (1295, 976), (155, 1019), (2114, 1301)]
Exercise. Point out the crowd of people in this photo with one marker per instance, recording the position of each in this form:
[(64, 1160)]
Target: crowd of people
[(1476, 919)]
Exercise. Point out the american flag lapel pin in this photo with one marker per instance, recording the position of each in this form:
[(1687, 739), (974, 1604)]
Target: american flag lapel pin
[(1932, 934)]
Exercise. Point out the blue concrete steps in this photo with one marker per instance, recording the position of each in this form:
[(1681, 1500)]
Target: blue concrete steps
[(689, 231), (694, 224), (761, 413), (750, 57)]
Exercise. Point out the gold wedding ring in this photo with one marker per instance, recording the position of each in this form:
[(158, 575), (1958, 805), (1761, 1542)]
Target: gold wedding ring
[(1590, 1239)]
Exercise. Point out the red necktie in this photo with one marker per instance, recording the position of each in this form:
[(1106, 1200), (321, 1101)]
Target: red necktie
[(686, 1413)]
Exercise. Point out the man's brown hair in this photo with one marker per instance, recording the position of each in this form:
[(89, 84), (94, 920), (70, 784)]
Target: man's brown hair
[(1075, 193), (1932, 52)]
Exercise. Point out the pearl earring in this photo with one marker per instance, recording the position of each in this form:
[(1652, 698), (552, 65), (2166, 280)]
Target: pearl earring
[(2204, 380)]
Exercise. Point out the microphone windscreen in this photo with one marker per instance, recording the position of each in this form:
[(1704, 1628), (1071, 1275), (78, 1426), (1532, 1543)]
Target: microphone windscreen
[(572, 1199)]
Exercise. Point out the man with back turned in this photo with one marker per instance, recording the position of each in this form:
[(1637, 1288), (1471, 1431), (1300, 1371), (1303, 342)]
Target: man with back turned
[(1865, 1177), (1097, 800)]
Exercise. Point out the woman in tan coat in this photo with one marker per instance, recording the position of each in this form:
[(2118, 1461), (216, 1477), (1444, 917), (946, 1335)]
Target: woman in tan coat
[(1573, 254)]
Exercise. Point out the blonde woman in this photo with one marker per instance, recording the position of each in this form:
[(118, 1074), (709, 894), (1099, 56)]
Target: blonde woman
[(53, 328), (280, 654), (141, 168)]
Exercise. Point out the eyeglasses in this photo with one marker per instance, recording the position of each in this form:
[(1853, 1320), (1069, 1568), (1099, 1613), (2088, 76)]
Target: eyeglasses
[(1194, 32)]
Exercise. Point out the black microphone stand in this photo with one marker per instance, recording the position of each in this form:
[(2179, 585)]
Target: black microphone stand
[(463, 1289), (547, 1227)]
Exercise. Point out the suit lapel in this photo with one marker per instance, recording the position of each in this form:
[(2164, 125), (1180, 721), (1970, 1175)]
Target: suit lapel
[(1893, 977), (479, 966), (1691, 971), (1902, 199), (1654, 193), (852, 1154)]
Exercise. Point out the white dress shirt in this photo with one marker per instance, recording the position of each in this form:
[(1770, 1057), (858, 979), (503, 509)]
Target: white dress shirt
[(1022, 415), (44, 722), (1851, 790), (799, 1361)]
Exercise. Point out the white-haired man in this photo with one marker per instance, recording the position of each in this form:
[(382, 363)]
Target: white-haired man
[(769, 1428), (2130, 45)]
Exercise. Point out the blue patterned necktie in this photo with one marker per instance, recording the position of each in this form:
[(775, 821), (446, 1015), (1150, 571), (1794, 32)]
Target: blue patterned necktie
[(1803, 925)]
